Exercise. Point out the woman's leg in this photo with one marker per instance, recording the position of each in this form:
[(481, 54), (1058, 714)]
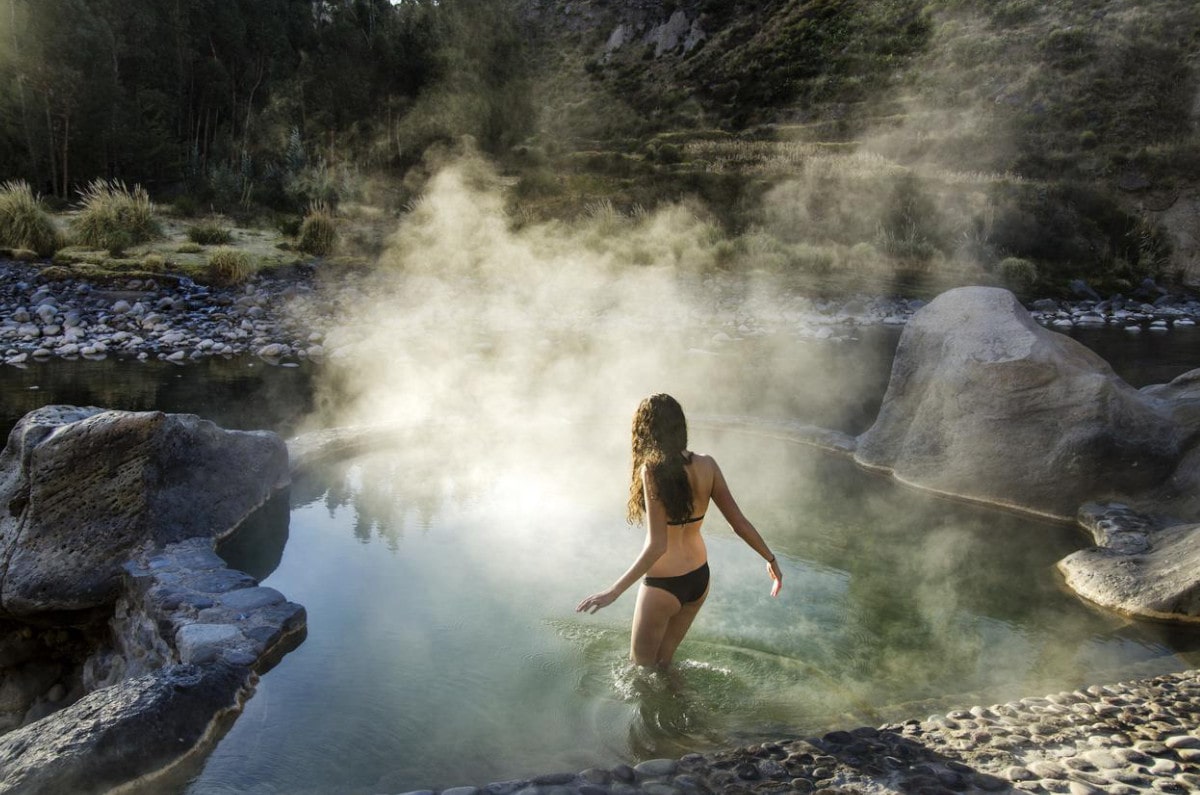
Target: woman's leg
[(653, 614), (677, 628)]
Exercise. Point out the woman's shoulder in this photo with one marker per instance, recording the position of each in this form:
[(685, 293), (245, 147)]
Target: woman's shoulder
[(703, 461)]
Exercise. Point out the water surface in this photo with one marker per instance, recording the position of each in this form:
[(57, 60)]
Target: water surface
[(443, 648)]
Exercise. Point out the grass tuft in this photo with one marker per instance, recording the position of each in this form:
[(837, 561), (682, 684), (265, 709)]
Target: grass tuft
[(228, 266), (209, 233), (318, 232), (24, 224), (115, 217)]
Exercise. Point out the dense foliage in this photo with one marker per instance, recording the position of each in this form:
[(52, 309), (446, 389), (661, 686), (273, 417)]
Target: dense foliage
[(238, 99)]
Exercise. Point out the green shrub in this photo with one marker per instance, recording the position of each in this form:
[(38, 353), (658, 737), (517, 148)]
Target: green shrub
[(318, 232), (23, 222), (229, 266), (115, 217), (289, 225), (209, 233), (812, 259), (1018, 275), (1087, 140), (189, 248), (154, 262), (186, 207)]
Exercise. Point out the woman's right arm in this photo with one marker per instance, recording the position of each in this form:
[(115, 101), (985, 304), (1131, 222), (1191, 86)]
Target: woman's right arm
[(746, 531), (653, 549)]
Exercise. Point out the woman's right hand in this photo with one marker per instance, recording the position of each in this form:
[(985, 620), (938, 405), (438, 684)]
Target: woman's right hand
[(776, 575), (596, 601)]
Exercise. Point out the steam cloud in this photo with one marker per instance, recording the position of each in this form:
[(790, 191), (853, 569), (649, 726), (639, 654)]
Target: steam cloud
[(470, 320)]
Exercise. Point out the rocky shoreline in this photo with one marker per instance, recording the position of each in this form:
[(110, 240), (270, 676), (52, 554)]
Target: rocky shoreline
[(1133, 737), (291, 317)]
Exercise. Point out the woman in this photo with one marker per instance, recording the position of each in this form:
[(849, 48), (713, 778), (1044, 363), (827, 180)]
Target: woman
[(670, 490)]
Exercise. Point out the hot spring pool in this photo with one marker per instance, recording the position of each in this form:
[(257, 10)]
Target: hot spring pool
[(443, 648)]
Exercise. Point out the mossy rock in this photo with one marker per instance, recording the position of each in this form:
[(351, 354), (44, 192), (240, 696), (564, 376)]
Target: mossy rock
[(79, 255), (58, 273), (122, 264)]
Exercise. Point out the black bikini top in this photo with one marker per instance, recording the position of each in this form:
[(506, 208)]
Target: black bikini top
[(685, 521)]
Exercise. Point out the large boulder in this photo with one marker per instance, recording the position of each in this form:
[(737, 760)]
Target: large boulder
[(987, 405), (84, 488)]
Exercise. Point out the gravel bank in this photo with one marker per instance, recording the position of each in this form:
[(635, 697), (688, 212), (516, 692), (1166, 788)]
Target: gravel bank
[(1133, 737), (292, 316)]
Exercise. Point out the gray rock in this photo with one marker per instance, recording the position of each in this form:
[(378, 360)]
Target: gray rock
[(984, 403), (202, 643), (120, 733), (84, 487), (656, 767), (248, 599), (1162, 582)]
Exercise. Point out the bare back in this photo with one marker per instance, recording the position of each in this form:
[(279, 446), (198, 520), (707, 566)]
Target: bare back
[(685, 547)]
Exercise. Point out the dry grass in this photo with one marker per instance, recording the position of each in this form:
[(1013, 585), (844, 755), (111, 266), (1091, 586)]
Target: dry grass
[(115, 217), (228, 266), (23, 222), (318, 232)]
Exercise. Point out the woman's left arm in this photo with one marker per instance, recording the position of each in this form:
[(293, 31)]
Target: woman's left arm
[(652, 550)]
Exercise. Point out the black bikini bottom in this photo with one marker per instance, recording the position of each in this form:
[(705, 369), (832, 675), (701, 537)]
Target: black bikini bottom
[(684, 587)]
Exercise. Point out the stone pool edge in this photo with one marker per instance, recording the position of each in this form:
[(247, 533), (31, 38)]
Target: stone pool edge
[(1136, 736)]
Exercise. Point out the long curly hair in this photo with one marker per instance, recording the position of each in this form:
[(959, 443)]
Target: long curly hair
[(659, 443)]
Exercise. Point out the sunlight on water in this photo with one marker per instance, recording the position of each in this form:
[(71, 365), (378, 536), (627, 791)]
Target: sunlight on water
[(443, 648)]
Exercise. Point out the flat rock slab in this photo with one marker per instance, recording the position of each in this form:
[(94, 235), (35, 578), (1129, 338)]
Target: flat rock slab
[(1160, 581), (120, 733), (207, 614)]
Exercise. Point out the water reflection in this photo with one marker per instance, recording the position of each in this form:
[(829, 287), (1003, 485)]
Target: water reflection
[(234, 393)]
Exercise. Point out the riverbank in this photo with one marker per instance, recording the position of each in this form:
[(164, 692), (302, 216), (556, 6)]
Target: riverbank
[(294, 316), (1119, 739)]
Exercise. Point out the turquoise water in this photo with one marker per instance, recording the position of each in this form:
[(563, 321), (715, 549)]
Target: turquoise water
[(443, 648)]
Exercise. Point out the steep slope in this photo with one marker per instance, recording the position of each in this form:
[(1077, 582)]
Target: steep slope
[(950, 136)]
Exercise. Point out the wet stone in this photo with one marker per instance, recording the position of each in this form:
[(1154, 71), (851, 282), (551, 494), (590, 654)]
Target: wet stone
[(554, 779), (656, 767), (1018, 773), (1131, 777), (1182, 741), (1047, 769), (1102, 759), (1089, 778), (595, 775)]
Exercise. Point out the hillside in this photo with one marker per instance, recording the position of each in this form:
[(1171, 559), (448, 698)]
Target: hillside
[(941, 141)]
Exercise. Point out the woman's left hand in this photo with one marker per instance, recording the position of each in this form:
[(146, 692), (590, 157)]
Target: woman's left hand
[(776, 577), (596, 601)]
